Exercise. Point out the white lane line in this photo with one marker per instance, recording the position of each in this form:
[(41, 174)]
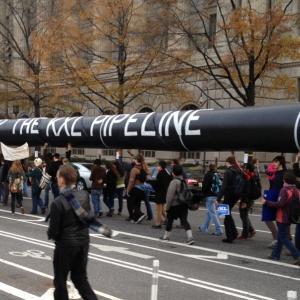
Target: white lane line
[(29, 270), (124, 264), (26, 215), (16, 292), (232, 254)]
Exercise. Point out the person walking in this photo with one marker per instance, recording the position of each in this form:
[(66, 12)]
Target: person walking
[(16, 177), (35, 175), (211, 186), (110, 187), (120, 188), (5, 181), (286, 196), (53, 169), (176, 209), (138, 176), (97, 178), (163, 180), (232, 188), (275, 174), (71, 237), (251, 192)]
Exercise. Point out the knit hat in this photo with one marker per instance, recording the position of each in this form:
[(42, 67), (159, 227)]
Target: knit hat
[(38, 162)]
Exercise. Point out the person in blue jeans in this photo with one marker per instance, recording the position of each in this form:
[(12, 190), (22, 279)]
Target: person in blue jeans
[(98, 177), (287, 194), (210, 187)]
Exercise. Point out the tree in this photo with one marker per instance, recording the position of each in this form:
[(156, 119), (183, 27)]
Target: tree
[(112, 51), (240, 47), (25, 67)]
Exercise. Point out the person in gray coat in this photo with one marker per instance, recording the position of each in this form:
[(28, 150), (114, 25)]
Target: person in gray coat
[(176, 209)]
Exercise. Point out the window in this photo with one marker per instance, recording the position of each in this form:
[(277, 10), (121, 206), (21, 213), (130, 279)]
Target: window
[(212, 29), (109, 152), (148, 153), (78, 151), (191, 155)]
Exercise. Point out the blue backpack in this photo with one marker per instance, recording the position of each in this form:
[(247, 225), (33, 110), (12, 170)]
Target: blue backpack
[(216, 184)]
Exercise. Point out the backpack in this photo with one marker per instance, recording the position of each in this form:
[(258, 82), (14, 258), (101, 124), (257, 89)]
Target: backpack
[(17, 185), (45, 180), (294, 216), (216, 183), (238, 183), (185, 196), (254, 188)]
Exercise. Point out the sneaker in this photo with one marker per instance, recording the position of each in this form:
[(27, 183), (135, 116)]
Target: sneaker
[(217, 233), (227, 241), (128, 219), (140, 219), (100, 214), (156, 226), (252, 234), (22, 210), (202, 230), (272, 245), (297, 262), (164, 238), (190, 241), (273, 257), (109, 214)]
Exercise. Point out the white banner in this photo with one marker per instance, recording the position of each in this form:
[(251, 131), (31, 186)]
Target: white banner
[(18, 153)]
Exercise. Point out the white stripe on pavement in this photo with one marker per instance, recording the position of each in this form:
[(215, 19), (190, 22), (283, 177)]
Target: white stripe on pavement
[(16, 292), (225, 290)]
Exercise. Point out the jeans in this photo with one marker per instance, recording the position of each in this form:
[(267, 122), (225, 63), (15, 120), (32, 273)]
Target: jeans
[(1, 191), (148, 208), (37, 201), (71, 259), (46, 197), (25, 188), (16, 197), (297, 237), (109, 199), (96, 195), (247, 226), (55, 189), (211, 216), (284, 240), (119, 194)]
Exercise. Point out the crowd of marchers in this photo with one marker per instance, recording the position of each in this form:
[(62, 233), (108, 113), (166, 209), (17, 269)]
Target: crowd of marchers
[(240, 185)]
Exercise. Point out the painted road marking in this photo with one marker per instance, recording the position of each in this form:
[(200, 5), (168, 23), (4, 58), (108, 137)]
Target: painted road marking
[(31, 253), (232, 254), (121, 250), (146, 270), (29, 270), (17, 293)]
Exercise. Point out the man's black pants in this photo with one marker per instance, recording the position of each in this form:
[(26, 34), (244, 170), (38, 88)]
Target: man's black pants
[(230, 228), (74, 260)]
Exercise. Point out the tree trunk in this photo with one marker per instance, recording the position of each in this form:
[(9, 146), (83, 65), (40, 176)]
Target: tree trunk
[(37, 108)]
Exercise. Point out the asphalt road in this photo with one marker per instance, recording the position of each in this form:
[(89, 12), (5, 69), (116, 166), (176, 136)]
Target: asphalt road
[(121, 268)]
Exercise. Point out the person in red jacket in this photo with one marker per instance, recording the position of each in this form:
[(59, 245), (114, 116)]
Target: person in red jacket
[(286, 195)]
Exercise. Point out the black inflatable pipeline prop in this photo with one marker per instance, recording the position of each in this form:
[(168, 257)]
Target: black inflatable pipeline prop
[(272, 129)]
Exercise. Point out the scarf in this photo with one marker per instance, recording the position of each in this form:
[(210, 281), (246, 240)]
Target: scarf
[(83, 215)]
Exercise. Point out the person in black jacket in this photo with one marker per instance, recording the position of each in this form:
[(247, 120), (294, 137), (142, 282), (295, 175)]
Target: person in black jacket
[(53, 169), (163, 180), (210, 187), (228, 191), (71, 238), (4, 179), (110, 187)]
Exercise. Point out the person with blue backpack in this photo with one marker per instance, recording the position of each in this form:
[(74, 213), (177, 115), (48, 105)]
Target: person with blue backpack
[(211, 186)]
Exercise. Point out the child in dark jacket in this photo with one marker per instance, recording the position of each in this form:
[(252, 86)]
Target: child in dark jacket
[(287, 193)]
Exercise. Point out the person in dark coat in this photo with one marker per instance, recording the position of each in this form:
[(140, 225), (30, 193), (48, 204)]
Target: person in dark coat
[(163, 180), (5, 182), (110, 187), (230, 197), (71, 237), (53, 169)]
